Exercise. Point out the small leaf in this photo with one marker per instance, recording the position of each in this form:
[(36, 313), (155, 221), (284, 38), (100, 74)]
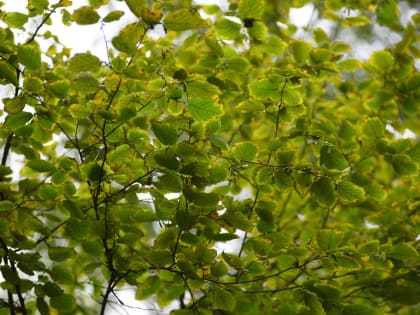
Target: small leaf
[(113, 16), (332, 158), (340, 47), (404, 165), (29, 56), (349, 191), (41, 166), (245, 151), (184, 19), (380, 62), (350, 64), (47, 192), (84, 62), (329, 240), (204, 109), (238, 220), (85, 15)]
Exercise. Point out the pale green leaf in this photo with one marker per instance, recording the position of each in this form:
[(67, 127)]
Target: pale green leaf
[(222, 299), (227, 29), (14, 121), (15, 19), (136, 6)]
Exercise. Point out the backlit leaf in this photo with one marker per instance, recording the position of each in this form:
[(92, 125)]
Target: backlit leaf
[(84, 62), (329, 240), (166, 134), (184, 19), (349, 191), (251, 9), (7, 73), (14, 121), (15, 19), (29, 56), (85, 15), (222, 299), (136, 6)]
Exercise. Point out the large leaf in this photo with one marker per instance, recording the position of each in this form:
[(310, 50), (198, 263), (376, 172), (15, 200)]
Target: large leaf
[(84, 62), (222, 299), (250, 9), (329, 240), (165, 133), (349, 191)]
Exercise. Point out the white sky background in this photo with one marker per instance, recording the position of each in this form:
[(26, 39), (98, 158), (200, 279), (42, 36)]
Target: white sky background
[(92, 37)]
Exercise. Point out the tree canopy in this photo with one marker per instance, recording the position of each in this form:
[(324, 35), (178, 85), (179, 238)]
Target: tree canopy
[(223, 165)]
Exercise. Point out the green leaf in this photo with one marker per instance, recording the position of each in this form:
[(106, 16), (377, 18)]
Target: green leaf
[(84, 62), (332, 158), (238, 220), (250, 9), (380, 62), (113, 16), (315, 306), (219, 269), (166, 134), (403, 251), (347, 262), (300, 50), (64, 302), (227, 29), (222, 299), (85, 15), (291, 97), (42, 306), (258, 31), (15, 121), (204, 109), (184, 19), (6, 205), (356, 21), (29, 56), (373, 128), (136, 6), (85, 83), (41, 166), (202, 90), (245, 151), (350, 64), (60, 253), (250, 105), (349, 191), (59, 88), (340, 47), (15, 19), (8, 73), (265, 89), (47, 192), (404, 165), (322, 191), (329, 240), (128, 37), (358, 309)]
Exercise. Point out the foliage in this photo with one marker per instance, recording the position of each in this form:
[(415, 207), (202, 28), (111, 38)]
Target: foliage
[(228, 131)]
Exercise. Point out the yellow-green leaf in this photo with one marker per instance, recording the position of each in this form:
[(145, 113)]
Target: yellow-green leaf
[(245, 151), (251, 9), (322, 191), (85, 15), (15, 19), (84, 62), (184, 19), (29, 56), (204, 109), (136, 6), (349, 191)]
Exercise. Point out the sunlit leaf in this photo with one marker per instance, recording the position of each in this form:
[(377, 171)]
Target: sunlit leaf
[(29, 56)]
